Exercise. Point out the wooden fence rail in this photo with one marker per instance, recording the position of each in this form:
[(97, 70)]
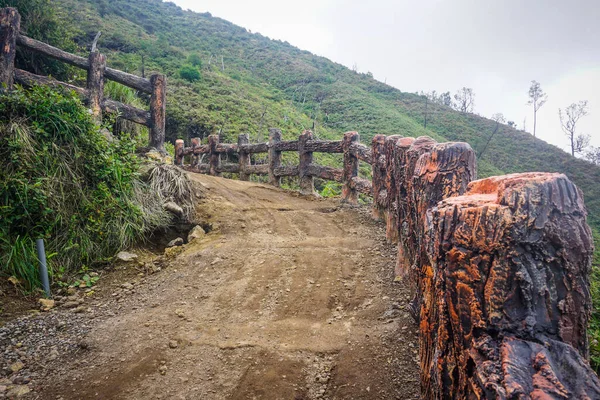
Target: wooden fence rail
[(306, 170), (97, 73)]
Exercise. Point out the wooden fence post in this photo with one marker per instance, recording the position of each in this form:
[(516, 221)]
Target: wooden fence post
[(158, 106), (349, 193), (95, 84), (391, 188), (274, 156), (307, 184), (215, 159), (179, 152), (10, 23), (378, 175), (195, 158), (243, 157)]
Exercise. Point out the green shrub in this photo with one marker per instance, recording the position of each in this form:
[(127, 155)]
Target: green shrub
[(189, 73), (65, 182), (194, 59)]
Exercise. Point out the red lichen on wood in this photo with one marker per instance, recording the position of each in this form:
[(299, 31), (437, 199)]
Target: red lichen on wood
[(378, 176)]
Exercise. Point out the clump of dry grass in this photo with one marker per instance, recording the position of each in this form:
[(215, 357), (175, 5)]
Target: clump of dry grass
[(172, 184)]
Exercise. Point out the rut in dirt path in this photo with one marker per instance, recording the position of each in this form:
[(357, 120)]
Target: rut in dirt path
[(287, 298)]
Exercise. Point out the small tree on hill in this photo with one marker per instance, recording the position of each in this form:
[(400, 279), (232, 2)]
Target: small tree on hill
[(499, 119), (194, 59), (568, 121), (593, 155), (537, 98), (464, 100)]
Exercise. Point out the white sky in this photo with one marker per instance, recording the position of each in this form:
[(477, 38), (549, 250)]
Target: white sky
[(494, 47)]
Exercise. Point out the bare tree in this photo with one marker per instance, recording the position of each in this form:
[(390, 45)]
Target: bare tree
[(499, 119), (568, 121), (512, 124), (464, 100), (537, 98), (593, 155)]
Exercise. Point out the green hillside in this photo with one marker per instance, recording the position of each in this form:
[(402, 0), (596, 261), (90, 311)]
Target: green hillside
[(249, 83)]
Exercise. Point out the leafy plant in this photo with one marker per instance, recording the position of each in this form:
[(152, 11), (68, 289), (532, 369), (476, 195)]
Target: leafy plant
[(189, 73)]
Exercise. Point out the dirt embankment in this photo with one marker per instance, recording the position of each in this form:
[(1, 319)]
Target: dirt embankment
[(286, 298)]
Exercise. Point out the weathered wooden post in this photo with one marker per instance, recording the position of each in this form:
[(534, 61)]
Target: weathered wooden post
[(10, 23), (349, 193), (274, 156), (391, 188), (179, 152), (307, 184), (378, 175), (195, 159), (95, 84), (243, 156), (158, 106), (215, 159)]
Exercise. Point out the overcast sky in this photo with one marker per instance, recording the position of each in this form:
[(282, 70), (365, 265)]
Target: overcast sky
[(494, 47)]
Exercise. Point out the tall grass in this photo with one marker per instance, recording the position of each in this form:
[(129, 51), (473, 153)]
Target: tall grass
[(63, 181)]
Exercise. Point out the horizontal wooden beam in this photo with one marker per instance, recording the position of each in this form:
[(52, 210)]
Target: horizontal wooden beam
[(227, 148), (255, 148), (127, 112), (329, 173), (261, 169), (291, 145), (362, 152), (232, 168), (325, 146), (289, 170), (28, 79), (130, 80)]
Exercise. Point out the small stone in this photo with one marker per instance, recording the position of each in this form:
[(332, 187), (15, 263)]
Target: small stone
[(196, 233), (162, 369), (17, 366), (216, 261), (127, 286), (126, 256), (46, 304), (18, 391), (180, 313), (71, 304), (175, 242), (79, 310), (173, 344)]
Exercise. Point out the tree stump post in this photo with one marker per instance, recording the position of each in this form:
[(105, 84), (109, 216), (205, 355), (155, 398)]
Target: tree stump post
[(244, 157), (195, 157), (179, 152), (307, 182), (158, 106), (95, 84), (215, 159), (274, 156), (349, 193), (10, 23), (378, 175), (390, 205)]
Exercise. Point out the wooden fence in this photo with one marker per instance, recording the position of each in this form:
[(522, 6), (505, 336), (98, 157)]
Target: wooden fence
[(499, 267), (97, 72), (351, 148)]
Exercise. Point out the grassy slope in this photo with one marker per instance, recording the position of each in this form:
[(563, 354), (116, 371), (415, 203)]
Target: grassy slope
[(292, 88)]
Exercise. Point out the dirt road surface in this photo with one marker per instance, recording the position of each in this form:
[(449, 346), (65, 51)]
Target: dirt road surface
[(286, 298)]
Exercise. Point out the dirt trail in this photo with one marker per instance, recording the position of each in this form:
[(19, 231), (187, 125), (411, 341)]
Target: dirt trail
[(287, 298)]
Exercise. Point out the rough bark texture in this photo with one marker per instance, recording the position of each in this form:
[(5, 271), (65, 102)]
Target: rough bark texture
[(307, 185), (256, 148), (362, 185), (260, 169), (158, 106), (362, 152), (274, 156), (290, 145), (127, 112), (325, 146), (391, 188), (378, 176), (95, 84), (231, 168), (195, 158), (215, 159), (349, 192), (28, 79), (328, 173), (244, 157), (179, 152), (288, 170), (10, 23), (506, 293), (226, 148)]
